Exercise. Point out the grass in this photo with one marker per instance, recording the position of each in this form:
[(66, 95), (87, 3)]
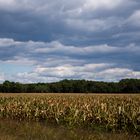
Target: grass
[(102, 113), (14, 130)]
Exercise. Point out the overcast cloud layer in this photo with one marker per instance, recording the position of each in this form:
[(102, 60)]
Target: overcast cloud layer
[(51, 40)]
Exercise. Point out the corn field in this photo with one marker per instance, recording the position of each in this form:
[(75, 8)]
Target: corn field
[(96, 112)]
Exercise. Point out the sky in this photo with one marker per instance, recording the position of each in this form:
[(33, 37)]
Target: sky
[(52, 40)]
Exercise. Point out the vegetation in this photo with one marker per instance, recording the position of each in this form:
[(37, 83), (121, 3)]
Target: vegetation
[(73, 86), (113, 113), (39, 131)]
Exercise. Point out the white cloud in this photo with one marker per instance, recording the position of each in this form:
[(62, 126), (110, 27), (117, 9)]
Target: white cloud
[(32, 77), (134, 19), (100, 72), (68, 4), (7, 2), (51, 74), (64, 8), (20, 60), (115, 74), (95, 24), (9, 5), (108, 4), (69, 70), (88, 7), (4, 42), (56, 46)]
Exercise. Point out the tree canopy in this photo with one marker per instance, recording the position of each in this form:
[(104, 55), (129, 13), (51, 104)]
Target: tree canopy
[(73, 86)]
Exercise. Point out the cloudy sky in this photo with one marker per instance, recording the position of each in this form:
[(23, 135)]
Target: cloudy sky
[(51, 40)]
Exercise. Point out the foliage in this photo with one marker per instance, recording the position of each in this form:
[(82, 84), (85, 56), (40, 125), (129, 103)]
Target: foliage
[(73, 86)]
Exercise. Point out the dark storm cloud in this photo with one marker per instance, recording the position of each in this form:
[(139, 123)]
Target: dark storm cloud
[(66, 38), (41, 51), (62, 20)]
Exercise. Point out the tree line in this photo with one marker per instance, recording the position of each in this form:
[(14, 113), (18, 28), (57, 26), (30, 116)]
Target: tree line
[(73, 86)]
